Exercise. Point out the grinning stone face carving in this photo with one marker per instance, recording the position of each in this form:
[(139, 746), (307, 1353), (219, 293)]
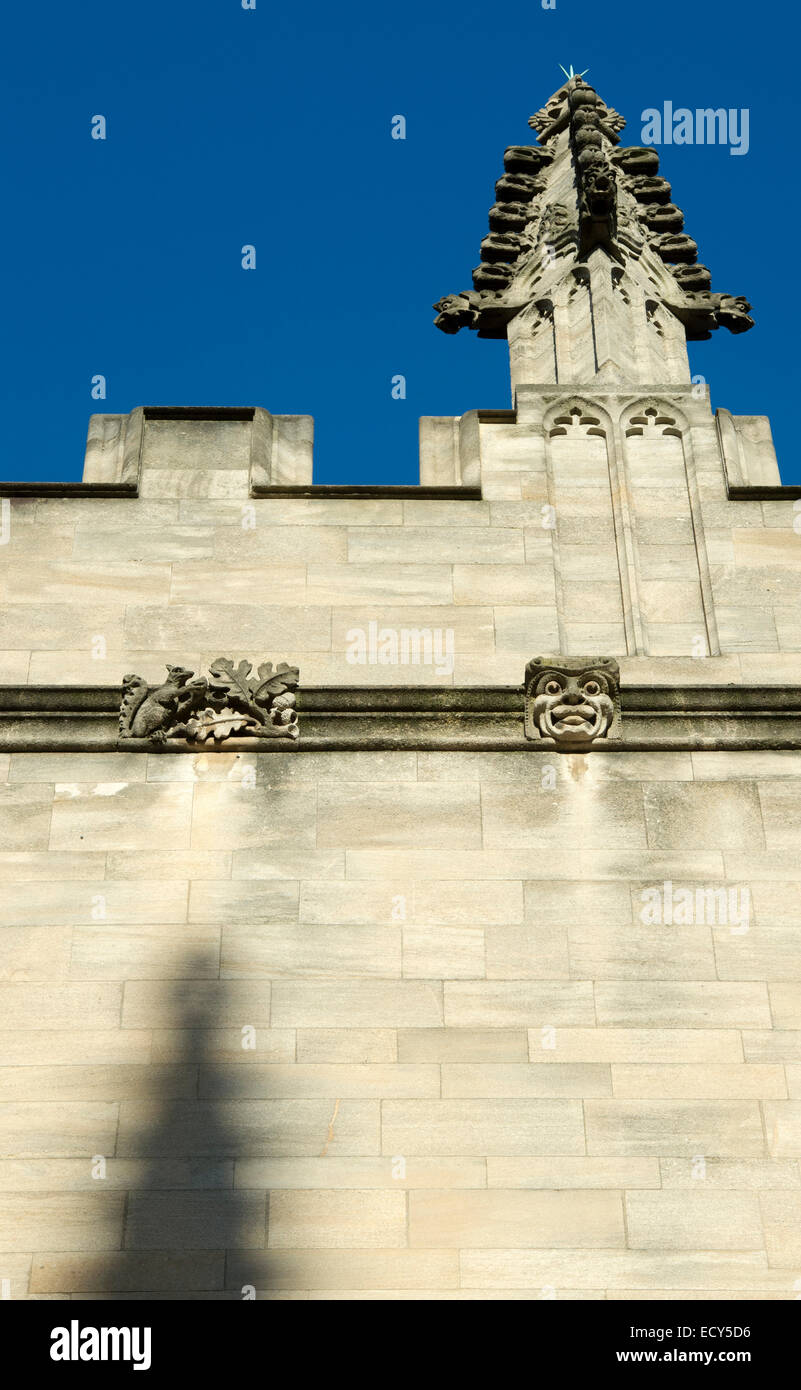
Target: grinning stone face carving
[(572, 700)]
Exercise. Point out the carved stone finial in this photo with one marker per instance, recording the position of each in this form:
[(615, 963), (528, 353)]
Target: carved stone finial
[(228, 703), (572, 701), (613, 200)]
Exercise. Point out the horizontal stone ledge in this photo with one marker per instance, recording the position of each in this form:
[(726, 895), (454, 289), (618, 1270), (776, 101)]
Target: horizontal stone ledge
[(674, 701), (449, 493), (455, 492), (102, 699), (367, 740), (473, 718), (763, 492), (32, 489)]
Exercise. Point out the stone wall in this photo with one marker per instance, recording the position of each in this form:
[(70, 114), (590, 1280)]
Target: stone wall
[(403, 1023), (603, 526), (392, 1025)]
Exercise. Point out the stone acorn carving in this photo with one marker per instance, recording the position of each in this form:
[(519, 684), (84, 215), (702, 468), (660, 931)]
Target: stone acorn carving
[(228, 703), (572, 702)]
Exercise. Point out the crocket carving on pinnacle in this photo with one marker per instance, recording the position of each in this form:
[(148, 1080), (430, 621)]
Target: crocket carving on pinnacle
[(607, 197)]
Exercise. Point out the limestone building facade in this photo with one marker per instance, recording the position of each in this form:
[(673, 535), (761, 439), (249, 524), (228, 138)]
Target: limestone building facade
[(430, 929)]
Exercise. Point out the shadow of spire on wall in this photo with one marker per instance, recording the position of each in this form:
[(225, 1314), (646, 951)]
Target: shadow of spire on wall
[(183, 1215)]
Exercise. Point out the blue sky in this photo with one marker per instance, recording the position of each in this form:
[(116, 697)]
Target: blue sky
[(228, 127)]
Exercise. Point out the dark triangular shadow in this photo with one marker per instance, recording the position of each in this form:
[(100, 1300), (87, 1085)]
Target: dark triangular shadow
[(184, 1218)]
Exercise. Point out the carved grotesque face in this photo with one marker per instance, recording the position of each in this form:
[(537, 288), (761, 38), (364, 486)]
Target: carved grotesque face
[(599, 186), (572, 706)]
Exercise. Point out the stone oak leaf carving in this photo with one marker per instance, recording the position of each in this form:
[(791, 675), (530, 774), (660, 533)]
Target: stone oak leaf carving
[(220, 724), (572, 701), (230, 702)]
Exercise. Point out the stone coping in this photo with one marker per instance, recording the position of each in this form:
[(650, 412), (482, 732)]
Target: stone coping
[(260, 484), (450, 493), (477, 718), (456, 492)]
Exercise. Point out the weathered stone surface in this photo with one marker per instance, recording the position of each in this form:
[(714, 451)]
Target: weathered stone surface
[(572, 703), (590, 208), (229, 702), (407, 1009)]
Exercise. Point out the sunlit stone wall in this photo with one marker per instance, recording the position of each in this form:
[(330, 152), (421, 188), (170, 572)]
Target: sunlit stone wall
[(396, 1025), (404, 1024)]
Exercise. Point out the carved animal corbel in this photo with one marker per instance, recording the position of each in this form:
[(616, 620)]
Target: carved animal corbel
[(455, 311), (228, 703), (733, 312), (153, 714)]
